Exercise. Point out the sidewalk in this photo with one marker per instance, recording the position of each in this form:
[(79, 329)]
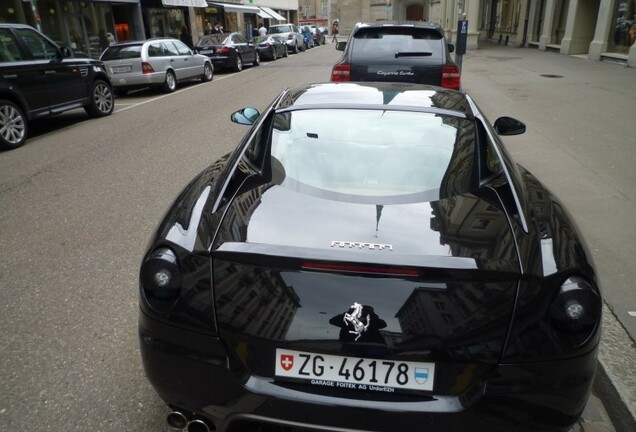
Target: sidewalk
[(579, 142)]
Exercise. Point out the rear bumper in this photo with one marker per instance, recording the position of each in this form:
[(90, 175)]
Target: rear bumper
[(137, 80), (190, 371)]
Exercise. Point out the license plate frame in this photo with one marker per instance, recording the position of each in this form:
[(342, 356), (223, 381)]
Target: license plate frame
[(349, 372)]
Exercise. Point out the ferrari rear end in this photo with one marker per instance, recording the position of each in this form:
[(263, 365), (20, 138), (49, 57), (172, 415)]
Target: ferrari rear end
[(327, 284)]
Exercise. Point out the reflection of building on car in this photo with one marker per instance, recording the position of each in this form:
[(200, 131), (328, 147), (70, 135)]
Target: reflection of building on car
[(38, 78), (161, 63), (369, 249)]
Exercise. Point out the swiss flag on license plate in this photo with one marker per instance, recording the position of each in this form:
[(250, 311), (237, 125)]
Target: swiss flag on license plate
[(286, 361)]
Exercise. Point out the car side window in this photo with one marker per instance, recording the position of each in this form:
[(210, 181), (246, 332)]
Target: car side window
[(182, 48), (40, 48), (170, 49), (9, 48), (155, 50)]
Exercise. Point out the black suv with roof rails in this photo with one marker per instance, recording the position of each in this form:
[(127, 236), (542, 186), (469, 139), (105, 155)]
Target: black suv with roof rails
[(415, 52), (38, 78)]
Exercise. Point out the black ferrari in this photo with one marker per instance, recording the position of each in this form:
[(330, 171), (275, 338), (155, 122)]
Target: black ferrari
[(369, 258)]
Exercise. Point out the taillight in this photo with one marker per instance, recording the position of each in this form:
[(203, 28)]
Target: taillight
[(223, 50), (290, 37), (451, 77), (160, 275), (341, 72), (146, 68)]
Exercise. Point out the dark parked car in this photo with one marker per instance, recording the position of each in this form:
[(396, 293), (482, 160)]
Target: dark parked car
[(228, 51), (271, 47), (317, 35), (397, 52), (38, 78), (370, 250)]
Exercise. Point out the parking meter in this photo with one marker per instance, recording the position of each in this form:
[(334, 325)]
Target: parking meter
[(460, 45)]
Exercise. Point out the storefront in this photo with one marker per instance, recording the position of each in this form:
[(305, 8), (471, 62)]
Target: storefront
[(87, 27)]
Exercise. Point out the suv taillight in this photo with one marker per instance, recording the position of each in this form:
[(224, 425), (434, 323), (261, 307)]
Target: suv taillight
[(146, 68), (223, 50), (451, 77), (341, 72)]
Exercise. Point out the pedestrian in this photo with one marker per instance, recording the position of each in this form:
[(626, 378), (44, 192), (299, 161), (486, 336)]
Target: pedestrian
[(217, 28), (186, 37), (208, 28), (262, 31), (334, 32)]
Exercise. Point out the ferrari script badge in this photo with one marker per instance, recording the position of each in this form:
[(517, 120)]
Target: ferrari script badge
[(355, 319)]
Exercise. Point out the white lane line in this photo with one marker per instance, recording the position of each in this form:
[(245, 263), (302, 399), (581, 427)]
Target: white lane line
[(192, 87), (632, 313)]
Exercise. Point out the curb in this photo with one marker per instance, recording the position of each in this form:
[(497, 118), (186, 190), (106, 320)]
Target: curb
[(615, 382)]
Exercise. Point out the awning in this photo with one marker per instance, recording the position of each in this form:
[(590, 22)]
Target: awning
[(274, 15), (185, 3), (237, 7)]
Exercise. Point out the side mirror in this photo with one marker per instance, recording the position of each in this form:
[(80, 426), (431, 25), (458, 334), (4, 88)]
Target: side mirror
[(509, 126), (245, 116), (340, 46), (451, 48), (65, 52)]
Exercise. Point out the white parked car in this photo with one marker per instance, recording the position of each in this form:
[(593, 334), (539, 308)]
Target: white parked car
[(292, 35)]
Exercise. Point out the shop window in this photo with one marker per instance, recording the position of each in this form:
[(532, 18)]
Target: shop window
[(623, 33)]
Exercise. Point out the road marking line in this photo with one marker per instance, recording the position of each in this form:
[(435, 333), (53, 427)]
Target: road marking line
[(632, 313)]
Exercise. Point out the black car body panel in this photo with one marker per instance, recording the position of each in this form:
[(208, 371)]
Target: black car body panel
[(463, 285), (46, 82), (271, 47)]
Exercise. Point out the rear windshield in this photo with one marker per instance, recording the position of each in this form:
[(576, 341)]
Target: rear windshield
[(122, 52), (375, 156), (275, 29), (214, 39), (393, 42)]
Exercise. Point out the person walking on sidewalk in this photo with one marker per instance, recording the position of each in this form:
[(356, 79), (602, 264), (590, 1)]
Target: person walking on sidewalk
[(334, 32)]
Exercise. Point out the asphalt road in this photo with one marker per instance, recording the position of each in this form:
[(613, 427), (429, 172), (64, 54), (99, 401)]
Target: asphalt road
[(80, 200)]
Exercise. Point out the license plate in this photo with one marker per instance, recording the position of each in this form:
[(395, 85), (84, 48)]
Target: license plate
[(121, 69), (208, 51), (354, 372)]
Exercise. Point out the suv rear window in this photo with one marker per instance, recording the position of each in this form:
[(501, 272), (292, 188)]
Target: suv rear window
[(122, 52), (395, 42)]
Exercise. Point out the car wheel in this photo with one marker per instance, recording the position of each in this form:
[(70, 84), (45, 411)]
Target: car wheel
[(208, 73), (13, 125), (257, 59), (295, 50), (286, 53), (102, 100), (274, 56), (170, 84), (238, 66)]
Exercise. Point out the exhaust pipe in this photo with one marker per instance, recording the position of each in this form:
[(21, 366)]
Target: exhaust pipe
[(198, 426), (177, 420)]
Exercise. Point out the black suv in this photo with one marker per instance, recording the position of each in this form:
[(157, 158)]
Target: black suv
[(38, 78), (397, 52)]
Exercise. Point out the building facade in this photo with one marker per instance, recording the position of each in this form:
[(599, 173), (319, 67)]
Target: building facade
[(599, 29), (89, 26)]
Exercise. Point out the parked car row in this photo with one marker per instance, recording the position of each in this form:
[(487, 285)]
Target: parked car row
[(41, 77)]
